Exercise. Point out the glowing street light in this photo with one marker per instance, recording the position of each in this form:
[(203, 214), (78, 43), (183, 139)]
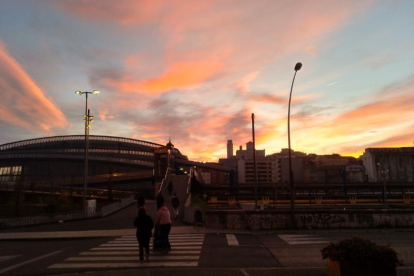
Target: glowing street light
[(87, 119)]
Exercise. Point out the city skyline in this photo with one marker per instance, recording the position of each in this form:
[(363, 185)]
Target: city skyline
[(195, 71)]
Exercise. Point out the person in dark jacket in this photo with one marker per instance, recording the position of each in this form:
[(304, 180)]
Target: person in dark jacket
[(176, 204), (144, 225)]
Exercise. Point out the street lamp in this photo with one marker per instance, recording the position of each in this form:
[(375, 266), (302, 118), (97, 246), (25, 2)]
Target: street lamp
[(384, 187), (254, 164), (298, 66), (87, 119)]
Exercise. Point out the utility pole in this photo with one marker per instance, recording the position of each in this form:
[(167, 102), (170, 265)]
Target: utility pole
[(254, 164), (87, 119)]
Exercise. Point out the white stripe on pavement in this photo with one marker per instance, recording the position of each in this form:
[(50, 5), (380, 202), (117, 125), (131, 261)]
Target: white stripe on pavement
[(136, 244), (295, 236), (172, 235), (135, 252), (130, 248), (302, 239), (171, 240), (117, 265), (232, 240), (28, 262), (306, 242), (180, 237), (116, 258)]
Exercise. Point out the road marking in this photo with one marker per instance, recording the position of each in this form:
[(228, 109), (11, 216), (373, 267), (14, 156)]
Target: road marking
[(131, 248), (117, 265), (136, 244), (173, 241), (135, 258), (302, 239), (123, 252), (5, 258), (232, 240), (171, 238), (28, 262), (245, 273), (306, 242), (135, 252)]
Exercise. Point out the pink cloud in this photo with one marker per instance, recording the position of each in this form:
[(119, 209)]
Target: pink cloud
[(242, 85), (205, 42), (207, 38), (23, 103)]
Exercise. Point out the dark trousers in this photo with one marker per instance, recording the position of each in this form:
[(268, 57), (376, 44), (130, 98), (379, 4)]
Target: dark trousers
[(143, 245), (165, 231)]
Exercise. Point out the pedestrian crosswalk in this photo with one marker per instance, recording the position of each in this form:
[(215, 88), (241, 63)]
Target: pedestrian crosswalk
[(302, 239), (123, 253)]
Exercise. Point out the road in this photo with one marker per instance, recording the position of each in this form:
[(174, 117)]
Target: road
[(230, 254)]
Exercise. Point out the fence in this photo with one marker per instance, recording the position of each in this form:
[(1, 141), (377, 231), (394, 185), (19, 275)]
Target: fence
[(364, 193), (65, 216)]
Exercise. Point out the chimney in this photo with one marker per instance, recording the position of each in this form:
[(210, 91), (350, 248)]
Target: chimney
[(241, 148)]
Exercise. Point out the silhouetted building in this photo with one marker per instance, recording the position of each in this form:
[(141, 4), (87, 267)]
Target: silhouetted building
[(61, 158), (390, 164)]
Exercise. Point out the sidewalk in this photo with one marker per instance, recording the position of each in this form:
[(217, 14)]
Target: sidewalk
[(106, 233), (282, 271)]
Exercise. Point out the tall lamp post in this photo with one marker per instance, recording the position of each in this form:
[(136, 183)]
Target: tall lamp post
[(292, 185), (87, 119), (254, 164)]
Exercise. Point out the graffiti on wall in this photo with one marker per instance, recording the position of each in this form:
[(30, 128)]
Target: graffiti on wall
[(320, 219)]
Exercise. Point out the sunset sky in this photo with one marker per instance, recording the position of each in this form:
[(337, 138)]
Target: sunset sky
[(196, 70)]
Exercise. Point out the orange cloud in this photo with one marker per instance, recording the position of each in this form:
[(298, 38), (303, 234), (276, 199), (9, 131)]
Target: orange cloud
[(23, 103), (182, 75), (179, 75)]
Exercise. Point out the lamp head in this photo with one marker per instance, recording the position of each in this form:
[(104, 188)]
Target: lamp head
[(95, 92), (78, 92), (298, 66)]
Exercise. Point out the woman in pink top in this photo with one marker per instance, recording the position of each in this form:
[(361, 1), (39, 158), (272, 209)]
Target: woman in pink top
[(164, 222)]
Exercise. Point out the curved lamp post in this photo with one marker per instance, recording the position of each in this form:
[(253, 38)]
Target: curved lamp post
[(298, 66), (87, 119)]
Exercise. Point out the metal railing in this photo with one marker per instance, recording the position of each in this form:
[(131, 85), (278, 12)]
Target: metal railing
[(365, 194)]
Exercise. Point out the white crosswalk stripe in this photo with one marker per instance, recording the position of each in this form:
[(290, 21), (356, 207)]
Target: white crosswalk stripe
[(302, 239), (232, 240), (124, 251)]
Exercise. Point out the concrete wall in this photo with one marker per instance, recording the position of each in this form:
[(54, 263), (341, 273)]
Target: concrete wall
[(265, 220)]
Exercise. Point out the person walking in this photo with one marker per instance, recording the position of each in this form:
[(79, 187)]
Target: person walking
[(176, 204), (144, 225), (164, 222), (170, 188)]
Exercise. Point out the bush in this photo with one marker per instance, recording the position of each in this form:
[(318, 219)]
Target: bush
[(362, 251)]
